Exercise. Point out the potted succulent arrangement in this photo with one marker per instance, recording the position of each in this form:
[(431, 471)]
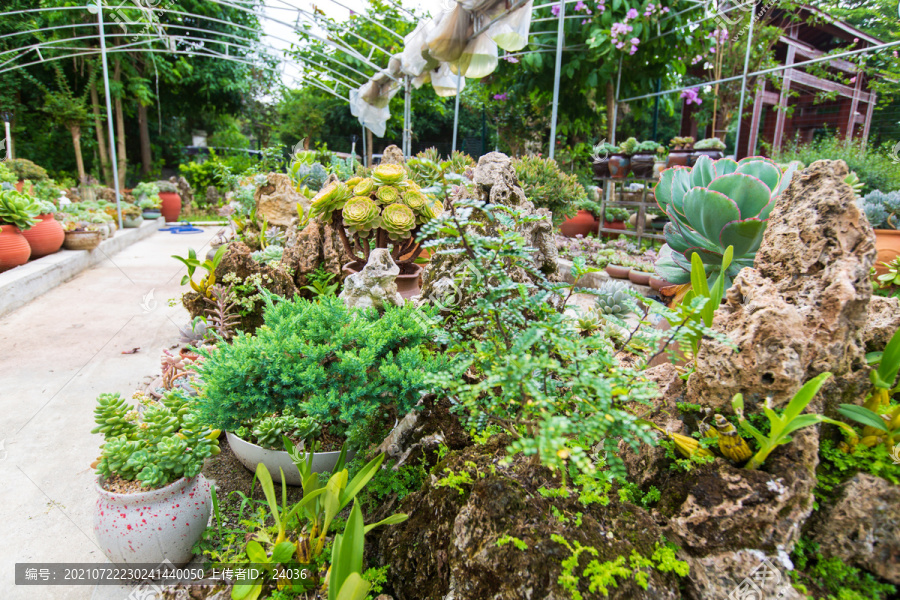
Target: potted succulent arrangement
[(601, 156), (170, 206), (26, 171), (131, 216), (711, 147), (584, 221), (81, 235), (643, 160), (620, 266), (150, 207), (385, 210), (620, 163), (641, 273), (17, 214), (615, 219), (883, 211), (153, 502), (47, 235), (680, 153)]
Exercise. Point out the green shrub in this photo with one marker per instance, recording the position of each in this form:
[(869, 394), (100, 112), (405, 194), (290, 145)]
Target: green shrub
[(319, 359), (25, 169), (872, 165), (834, 576), (548, 187)]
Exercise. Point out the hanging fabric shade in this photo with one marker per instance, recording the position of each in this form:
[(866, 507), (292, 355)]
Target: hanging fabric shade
[(379, 90), (479, 59), (511, 31), (444, 81), (422, 79), (413, 63), (450, 35)]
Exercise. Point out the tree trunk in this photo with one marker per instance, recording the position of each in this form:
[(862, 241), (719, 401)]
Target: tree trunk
[(120, 129), (75, 130), (105, 169), (369, 147), (144, 131)]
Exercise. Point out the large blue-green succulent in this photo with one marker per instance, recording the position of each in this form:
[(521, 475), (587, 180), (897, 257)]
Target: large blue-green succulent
[(714, 205)]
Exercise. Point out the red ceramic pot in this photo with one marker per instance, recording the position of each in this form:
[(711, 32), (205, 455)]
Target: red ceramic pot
[(679, 158), (46, 237), (618, 271), (408, 284), (619, 166), (14, 248), (887, 243), (612, 225), (171, 206), (581, 224), (642, 165)]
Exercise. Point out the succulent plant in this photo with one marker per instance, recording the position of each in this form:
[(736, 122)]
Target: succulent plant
[(388, 174), (613, 299), (710, 144), (18, 209), (312, 175), (387, 195), (882, 209), (414, 199), (361, 215), (712, 206), (268, 432), (398, 220), (629, 146), (363, 187), (331, 198), (270, 254)]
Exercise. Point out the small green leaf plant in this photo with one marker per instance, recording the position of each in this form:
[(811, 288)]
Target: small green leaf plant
[(209, 265)]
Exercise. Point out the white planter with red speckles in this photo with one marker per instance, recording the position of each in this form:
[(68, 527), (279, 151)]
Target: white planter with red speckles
[(150, 527)]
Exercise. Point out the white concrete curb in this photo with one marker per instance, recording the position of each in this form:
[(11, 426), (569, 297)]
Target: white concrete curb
[(20, 285)]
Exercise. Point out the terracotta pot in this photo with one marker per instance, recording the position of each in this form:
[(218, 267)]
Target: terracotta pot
[(46, 237), (657, 283), (887, 243), (171, 206), (618, 271), (581, 224), (619, 166), (639, 277), (408, 285), (601, 167), (712, 154), (153, 526), (679, 158), (642, 165), (14, 248), (82, 240), (613, 225)]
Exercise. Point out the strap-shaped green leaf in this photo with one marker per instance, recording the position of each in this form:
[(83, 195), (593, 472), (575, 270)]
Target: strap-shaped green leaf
[(804, 396), (391, 520), (354, 588), (890, 361), (246, 591), (863, 415), (268, 487), (347, 556), (361, 479), (800, 422)]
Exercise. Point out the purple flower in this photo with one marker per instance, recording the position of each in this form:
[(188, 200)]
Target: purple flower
[(555, 10), (635, 41), (500, 97), (631, 14), (690, 95), (665, 9), (510, 58), (585, 21), (581, 6)]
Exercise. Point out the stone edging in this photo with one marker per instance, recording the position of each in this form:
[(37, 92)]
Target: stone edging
[(20, 285)]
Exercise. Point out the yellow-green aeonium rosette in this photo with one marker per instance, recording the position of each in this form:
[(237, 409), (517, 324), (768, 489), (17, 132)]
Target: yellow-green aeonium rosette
[(387, 195), (361, 215), (388, 174), (331, 198), (364, 187), (398, 220), (415, 200)]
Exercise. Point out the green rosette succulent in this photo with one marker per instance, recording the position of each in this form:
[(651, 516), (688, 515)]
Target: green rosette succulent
[(431, 210), (353, 182), (388, 174), (364, 187), (714, 205), (415, 200), (387, 195), (331, 198), (361, 215), (398, 220)]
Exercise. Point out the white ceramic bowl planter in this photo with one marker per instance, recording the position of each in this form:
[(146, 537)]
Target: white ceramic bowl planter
[(251, 455), (150, 527)]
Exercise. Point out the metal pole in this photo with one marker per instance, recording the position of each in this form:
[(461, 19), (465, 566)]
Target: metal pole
[(737, 135), (365, 160), (615, 115), (456, 111), (560, 33), (109, 116), (8, 140), (407, 119)]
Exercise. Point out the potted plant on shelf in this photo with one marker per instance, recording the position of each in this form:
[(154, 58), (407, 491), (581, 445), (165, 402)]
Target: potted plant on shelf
[(620, 163), (711, 147), (17, 214), (131, 216), (883, 211), (584, 221), (170, 201), (26, 171), (643, 159), (153, 502), (149, 206), (601, 156), (386, 210), (680, 154), (614, 219), (47, 235)]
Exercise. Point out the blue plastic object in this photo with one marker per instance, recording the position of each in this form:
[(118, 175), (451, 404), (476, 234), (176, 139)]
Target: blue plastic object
[(185, 228)]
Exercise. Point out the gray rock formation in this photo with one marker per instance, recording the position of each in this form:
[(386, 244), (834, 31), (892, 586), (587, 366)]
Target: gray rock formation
[(392, 155), (882, 322), (374, 286), (862, 527), (277, 201)]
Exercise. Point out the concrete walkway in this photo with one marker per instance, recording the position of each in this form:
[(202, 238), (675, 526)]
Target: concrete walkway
[(58, 353)]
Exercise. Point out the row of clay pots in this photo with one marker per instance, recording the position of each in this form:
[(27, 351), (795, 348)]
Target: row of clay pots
[(18, 247), (619, 166), (584, 223), (636, 277)]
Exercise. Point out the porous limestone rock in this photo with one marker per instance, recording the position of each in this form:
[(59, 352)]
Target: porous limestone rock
[(741, 574), (392, 155), (882, 322), (277, 200), (374, 286), (495, 181), (802, 309), (318, 244), (862, 527)]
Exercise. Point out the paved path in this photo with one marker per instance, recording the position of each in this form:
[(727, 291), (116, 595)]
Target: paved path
[(56, 355)]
